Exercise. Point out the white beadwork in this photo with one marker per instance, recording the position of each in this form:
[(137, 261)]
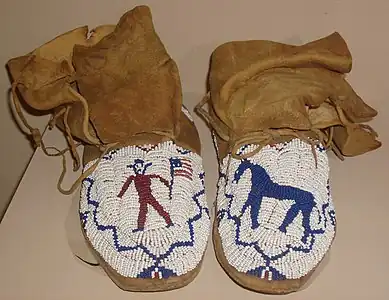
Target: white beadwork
[(263, 249), (111, 221)]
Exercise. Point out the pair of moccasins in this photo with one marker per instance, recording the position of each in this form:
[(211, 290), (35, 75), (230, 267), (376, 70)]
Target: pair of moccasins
[(274, 111)]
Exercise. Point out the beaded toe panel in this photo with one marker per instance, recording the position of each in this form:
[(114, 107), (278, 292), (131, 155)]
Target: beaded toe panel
[(144, 210), (275, 214)]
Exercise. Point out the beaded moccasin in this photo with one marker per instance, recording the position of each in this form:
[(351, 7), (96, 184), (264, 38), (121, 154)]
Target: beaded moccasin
[(142, 207), (275, 109)]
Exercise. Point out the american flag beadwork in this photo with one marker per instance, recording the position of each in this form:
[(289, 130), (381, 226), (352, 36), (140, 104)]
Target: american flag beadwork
[(144, 210), (181, 167)]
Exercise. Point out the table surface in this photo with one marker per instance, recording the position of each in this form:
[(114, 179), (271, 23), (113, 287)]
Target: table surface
[(37, 263)]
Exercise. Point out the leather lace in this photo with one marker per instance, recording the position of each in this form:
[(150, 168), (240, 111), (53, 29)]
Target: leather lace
[(72, 148), (72, 145), (263, 137)]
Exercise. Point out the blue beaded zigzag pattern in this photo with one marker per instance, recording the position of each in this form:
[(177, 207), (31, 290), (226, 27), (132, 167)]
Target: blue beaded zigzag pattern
[(156, 269), (263, 186)]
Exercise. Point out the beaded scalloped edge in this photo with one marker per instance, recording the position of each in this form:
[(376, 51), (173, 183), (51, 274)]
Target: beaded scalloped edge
[(275, 214), (144, 210)]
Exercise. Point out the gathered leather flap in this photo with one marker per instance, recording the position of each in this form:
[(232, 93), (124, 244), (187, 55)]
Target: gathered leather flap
[(261, 85), (131, 83), (42, 75), (45, 77)]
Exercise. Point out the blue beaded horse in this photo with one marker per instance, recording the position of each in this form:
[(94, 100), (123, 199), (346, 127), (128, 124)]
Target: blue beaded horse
[(263, 186)]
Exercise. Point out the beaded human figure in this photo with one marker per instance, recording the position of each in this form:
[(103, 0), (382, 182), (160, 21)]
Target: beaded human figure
[(142, 183), (263, 186)]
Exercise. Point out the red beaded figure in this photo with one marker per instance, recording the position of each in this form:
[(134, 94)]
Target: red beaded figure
[(143, 187)]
